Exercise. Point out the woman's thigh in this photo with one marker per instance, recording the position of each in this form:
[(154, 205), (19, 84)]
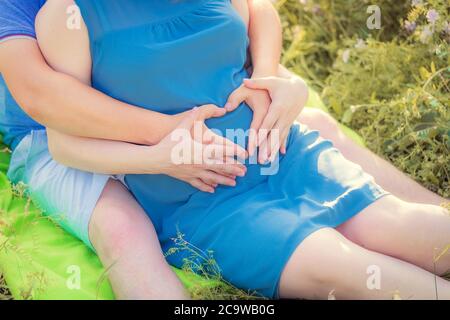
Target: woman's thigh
[(326, 264), (413, 232)]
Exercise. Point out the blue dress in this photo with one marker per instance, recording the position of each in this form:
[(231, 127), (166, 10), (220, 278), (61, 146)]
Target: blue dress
[(169, 56)]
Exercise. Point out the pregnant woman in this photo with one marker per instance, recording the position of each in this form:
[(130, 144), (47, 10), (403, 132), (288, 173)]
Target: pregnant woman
[(314, 225)]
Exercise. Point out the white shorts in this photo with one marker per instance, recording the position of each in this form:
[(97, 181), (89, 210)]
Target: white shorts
[(67, 195)]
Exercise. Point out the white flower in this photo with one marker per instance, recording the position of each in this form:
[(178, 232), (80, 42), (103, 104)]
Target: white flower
[(346, 56), (360, 44)]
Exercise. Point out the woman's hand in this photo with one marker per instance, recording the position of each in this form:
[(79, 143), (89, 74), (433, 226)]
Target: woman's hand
[(288, 96), (194, 154), (202, 134), (259, 101)]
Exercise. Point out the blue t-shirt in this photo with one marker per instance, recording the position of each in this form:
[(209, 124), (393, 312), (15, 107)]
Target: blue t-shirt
[(16, 21)]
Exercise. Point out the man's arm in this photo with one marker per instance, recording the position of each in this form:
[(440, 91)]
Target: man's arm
[(63, 103)]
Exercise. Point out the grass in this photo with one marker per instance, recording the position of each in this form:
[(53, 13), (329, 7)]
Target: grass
[(390, 85), (4, 292)]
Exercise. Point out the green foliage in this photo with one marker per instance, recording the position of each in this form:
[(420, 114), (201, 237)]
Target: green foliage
[(314, 31), (391, 85)]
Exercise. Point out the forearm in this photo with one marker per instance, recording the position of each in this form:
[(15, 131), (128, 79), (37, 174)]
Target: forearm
[(103, 156), (67, 105), (265, 38), (63, 103)]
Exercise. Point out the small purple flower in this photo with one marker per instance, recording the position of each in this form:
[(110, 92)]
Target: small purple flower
[(410, 26), (432, 16)]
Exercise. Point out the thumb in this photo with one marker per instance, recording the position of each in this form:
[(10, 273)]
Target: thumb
[(266, 83), (188, 121), (235, 99), (211, 111)]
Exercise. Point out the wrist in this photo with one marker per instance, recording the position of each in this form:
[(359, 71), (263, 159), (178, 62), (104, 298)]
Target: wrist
[(264, 70), (151, 160), (166, 123)]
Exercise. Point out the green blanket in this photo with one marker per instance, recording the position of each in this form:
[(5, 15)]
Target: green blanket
[(39, 260)]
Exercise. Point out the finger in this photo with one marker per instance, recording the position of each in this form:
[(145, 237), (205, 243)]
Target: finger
[(266, 83), (211, 111), (234, 161), (267, 125), (284, 140), (263, 152), (208, 136), (202, 186), (227, 160), (229, 170), (276, 139), (258, 118), (274, 143), (219, 153), (235, 99), (283, 148), (229, 148), (211, 177)]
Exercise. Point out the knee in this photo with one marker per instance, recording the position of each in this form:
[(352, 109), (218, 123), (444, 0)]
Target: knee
[(315, 268), (317, 119), (112, 236)]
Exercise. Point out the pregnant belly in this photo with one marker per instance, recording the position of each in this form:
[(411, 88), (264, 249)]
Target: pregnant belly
[(161, 192)]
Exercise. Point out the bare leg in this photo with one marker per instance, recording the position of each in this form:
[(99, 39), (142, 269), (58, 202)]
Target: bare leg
[(126, 243), (412, 232), (326, 262), (385, 174)]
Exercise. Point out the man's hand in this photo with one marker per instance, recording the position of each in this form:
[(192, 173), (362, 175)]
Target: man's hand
[(259, 101), (288, 96), (202, 169)]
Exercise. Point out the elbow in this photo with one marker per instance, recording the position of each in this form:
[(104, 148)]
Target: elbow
[(55, 150), (56, 156), (34, 92)]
